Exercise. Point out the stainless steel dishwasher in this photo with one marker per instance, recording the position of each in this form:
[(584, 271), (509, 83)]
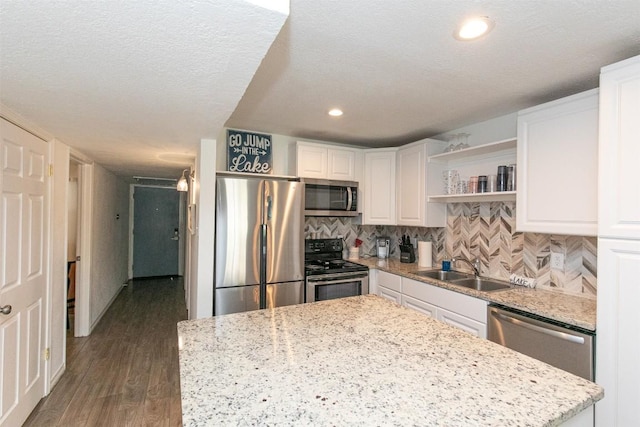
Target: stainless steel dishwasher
[(566, 347)]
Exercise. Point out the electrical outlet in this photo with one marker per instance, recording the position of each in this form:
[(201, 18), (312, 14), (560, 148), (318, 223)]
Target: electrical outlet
[(557, 261)]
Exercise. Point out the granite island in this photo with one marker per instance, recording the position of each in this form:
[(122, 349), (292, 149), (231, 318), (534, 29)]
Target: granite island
[(363, 361)]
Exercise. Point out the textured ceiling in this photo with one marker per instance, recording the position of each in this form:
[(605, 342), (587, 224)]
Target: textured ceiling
[(399, 75), (136, 85)]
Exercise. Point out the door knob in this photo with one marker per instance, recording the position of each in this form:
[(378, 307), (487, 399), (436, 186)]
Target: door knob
[(5, 309)]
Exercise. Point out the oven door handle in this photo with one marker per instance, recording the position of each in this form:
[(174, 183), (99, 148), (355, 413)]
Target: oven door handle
[(320, 281)]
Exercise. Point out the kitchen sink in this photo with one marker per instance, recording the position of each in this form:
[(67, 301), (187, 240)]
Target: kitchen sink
[(443, 275), (480, 284)]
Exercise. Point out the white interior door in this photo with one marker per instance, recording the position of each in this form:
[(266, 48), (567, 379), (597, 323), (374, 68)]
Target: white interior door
[(23, 272)]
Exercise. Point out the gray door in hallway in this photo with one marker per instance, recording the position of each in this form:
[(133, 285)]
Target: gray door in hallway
[(155, 231)]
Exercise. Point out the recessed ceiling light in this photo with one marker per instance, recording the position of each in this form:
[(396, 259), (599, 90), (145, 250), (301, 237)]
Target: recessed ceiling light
[(335, 112), (474, 28)]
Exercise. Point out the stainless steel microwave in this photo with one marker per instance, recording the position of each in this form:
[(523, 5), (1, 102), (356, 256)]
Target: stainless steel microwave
[(324, 197)]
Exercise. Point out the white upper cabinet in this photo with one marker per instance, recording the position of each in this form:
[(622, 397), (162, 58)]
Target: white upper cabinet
[(380, 187), (311, 160), (414, 180), (619, 183), (325, 162), (557, 172), (341, 164)]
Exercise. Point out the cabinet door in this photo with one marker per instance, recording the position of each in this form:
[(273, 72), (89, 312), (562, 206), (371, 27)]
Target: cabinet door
[(618, 329), (619, 186), (389, 294), (390, 281), (411, 196), (557, 164), (311, 161), (461, 322), (341, 164), (419, 306), (380, 187)]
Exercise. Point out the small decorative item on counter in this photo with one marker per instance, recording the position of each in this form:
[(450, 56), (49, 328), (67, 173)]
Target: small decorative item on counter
[(446, 263), (354, 252), (527, 282)]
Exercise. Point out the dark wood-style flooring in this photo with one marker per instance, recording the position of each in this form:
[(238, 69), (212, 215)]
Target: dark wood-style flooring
[(126, 372)]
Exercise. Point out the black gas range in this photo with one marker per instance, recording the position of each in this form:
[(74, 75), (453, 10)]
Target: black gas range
[(328, 276)]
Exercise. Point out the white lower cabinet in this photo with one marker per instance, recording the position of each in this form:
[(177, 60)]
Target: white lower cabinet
[(461, 322), (462, 311), (390, 294), (453, 308), (389, 286), (389, 281), (420, 306)]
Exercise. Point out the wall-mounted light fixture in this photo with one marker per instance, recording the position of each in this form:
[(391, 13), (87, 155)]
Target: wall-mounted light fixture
[(183, 184)]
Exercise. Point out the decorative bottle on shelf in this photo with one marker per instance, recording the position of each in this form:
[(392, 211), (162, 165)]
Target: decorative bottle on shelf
[(502, 179), (511, 178)]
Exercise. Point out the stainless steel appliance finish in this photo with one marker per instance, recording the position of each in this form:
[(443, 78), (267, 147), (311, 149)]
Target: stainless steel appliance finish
[(339, 285), (330, 198), (259, 257), (567, 348), (328, 276)]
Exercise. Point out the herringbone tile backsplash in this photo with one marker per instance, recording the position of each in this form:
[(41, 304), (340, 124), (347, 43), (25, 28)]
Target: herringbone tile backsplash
[(485, 231)]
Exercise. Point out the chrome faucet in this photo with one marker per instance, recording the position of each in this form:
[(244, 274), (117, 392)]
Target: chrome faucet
[(475, 264)]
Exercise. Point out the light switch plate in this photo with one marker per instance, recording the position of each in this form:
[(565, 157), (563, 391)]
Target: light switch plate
[(557, 261)]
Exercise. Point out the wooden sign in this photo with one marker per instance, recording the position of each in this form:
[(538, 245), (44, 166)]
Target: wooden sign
[(248, 152)]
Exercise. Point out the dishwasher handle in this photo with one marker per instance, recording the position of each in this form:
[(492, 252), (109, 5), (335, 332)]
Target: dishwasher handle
[(557, 334)]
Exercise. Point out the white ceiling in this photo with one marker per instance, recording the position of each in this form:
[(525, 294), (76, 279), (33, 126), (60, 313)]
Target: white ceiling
[(136, 85)]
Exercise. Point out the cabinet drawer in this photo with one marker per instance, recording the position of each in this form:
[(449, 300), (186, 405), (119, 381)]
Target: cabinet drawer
[(389, 294), (390, 281), (461, 322), (471, 307), (419, 306)]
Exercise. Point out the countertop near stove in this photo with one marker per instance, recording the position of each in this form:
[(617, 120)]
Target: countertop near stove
[(363, 361), (569, 309)]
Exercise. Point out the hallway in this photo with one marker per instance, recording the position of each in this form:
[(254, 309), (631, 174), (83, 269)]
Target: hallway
[(126, 373)]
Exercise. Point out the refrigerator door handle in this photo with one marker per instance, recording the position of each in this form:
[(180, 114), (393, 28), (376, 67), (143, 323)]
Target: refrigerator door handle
[(263, 263), (269, 206)]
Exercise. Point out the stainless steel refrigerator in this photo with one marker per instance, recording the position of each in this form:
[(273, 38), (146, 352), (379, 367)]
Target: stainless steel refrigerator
[(259, 256)]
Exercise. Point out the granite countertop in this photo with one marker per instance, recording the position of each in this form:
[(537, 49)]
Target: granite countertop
[(562, 307), (363, 361)]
